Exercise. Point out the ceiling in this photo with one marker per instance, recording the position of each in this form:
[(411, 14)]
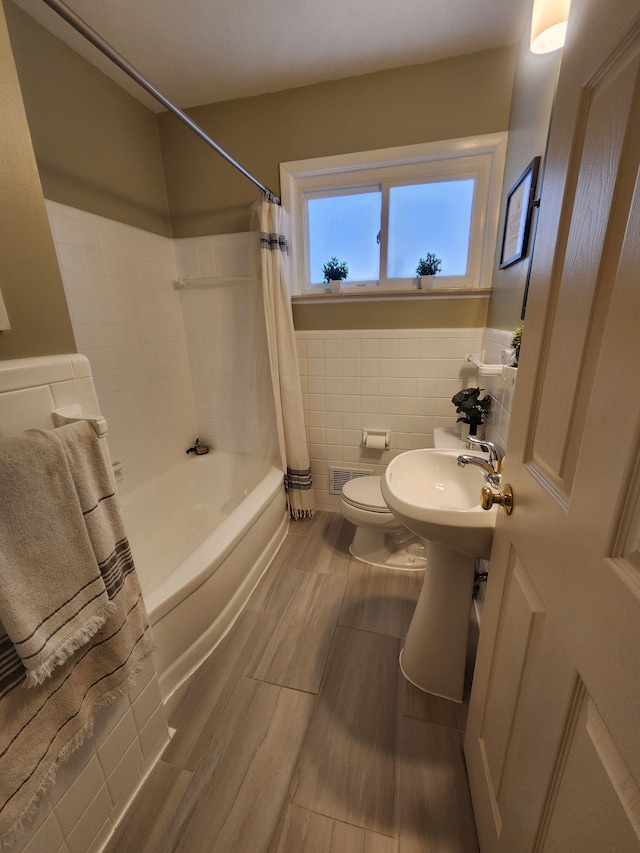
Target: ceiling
[(202, 51)]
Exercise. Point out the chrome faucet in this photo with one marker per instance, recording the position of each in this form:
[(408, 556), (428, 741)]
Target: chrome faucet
[(496, 454), (492, 466)]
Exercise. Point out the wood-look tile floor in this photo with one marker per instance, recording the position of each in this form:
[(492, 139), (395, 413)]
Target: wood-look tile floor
[(300, 734)]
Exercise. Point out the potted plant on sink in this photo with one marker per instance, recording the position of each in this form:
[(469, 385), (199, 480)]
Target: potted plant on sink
[(472, 408), (428, 267), (335, 272)]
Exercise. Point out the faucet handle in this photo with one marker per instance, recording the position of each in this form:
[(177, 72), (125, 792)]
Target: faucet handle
[(496, 453)]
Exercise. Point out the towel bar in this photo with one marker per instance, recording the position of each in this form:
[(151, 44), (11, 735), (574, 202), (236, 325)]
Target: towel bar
[(71, 414)]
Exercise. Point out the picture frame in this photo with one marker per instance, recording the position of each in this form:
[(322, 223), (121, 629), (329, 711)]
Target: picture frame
[(517, 221)]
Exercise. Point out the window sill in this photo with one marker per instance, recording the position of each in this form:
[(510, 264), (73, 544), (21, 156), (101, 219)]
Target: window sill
[(391, 295)]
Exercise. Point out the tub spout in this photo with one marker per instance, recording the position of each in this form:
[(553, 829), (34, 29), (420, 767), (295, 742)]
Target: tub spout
[(198, 449)]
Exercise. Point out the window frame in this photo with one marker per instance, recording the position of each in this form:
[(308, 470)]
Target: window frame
[(480, 157)]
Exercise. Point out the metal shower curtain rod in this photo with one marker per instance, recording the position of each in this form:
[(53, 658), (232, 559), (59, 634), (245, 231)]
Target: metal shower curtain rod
[(97, 41)]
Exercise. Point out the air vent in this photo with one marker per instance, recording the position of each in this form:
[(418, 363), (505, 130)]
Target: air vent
[(339, 476)]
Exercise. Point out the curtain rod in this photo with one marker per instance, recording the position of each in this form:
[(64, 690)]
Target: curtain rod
[(97, 41)]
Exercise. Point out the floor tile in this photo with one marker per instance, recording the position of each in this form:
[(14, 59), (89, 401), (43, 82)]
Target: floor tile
[(282, 580), (327, 550), (434, 800), (209, 691), (380, 600), (308, 526), (299, 734), (347, 765), (306, 832), (241, 785), (144, 824), (296, 651)]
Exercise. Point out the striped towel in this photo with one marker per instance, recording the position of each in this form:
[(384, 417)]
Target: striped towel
[(53, 597), (42, 726)]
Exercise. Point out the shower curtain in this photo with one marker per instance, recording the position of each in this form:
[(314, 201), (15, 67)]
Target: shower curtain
[(270, 219)]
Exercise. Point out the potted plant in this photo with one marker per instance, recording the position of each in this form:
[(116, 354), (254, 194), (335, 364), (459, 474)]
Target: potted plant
[(427, 268), (334, 272), (471, 407), (516, 340)]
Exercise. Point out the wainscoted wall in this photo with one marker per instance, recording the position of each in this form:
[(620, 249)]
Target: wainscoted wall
[(500, 388), (398, 380)]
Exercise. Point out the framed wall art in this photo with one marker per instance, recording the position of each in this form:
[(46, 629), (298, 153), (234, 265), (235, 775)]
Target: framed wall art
[(517, 221)]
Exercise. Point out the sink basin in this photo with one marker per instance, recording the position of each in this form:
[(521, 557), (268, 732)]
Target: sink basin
[(439, 500)]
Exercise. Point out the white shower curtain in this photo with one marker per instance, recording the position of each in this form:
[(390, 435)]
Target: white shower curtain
[(283, 358)]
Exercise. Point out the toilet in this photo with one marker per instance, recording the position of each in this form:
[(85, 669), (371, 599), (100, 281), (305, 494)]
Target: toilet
[(380, 539)]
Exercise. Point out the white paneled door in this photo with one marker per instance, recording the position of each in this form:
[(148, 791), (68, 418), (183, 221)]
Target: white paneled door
[(553, 738)]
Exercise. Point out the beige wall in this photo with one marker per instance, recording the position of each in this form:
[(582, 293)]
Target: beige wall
[(96, 146), (29, 274), (456, 97), (397, 314), (533, 92), (420, 103)]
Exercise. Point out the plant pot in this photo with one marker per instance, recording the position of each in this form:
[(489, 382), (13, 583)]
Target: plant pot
[(425, 282), (335, 284), (466, 430)]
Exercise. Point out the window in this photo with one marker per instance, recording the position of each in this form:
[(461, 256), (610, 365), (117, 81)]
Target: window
[(382, 211)]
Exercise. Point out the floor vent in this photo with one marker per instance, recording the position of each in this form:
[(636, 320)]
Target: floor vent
[(339, 476)]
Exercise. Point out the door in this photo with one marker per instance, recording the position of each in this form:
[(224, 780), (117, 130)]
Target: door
[(553, 737)]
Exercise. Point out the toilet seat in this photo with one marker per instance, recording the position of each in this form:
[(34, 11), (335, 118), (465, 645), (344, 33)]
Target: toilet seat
[(365, 493)]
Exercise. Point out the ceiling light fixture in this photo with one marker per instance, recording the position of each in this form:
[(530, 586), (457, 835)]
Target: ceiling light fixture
[(548, 25)]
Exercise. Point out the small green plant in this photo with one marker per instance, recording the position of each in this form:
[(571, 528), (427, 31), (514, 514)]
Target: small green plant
[(471, 407), (429, 265), (516, 340), (335, 270)]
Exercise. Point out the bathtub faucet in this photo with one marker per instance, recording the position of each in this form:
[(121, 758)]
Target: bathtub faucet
[(198, 449)]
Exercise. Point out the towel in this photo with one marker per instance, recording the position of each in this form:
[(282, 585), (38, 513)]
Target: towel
[(53, 597), (41, 727)]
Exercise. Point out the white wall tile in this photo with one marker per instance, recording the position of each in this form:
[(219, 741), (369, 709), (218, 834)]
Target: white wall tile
[(399, 380)]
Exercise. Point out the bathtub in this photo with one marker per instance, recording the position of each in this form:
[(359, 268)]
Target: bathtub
[(199, 556)]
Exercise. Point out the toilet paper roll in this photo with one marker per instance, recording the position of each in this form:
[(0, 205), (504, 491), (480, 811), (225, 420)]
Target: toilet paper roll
[(376, 442)]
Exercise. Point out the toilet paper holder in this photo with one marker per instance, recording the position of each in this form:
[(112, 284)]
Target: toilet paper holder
[(376, 439)]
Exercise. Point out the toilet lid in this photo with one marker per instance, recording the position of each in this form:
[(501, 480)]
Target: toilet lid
[(365, 492)]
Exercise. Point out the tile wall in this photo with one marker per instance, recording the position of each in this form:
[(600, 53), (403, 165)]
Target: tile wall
[(94, 787), (397, 380), (501, 388), (169, 364), (224, 325), (127, 319)]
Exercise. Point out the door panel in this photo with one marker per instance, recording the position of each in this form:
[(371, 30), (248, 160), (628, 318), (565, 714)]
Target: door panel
[(553, 736), (599, 140)]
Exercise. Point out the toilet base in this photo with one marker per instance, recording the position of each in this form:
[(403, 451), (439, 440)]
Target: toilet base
[(401, 550)]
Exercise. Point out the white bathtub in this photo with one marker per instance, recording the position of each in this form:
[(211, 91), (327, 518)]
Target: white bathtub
[(199, 556)]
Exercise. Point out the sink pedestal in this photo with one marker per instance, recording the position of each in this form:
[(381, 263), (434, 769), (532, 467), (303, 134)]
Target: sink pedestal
[(435, 650)]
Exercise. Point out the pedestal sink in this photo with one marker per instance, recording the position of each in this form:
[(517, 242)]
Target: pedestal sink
[(440, 502)]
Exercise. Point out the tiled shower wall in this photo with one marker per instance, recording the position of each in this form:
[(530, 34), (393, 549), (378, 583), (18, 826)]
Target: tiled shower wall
[(127, 320), (168, 364)]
